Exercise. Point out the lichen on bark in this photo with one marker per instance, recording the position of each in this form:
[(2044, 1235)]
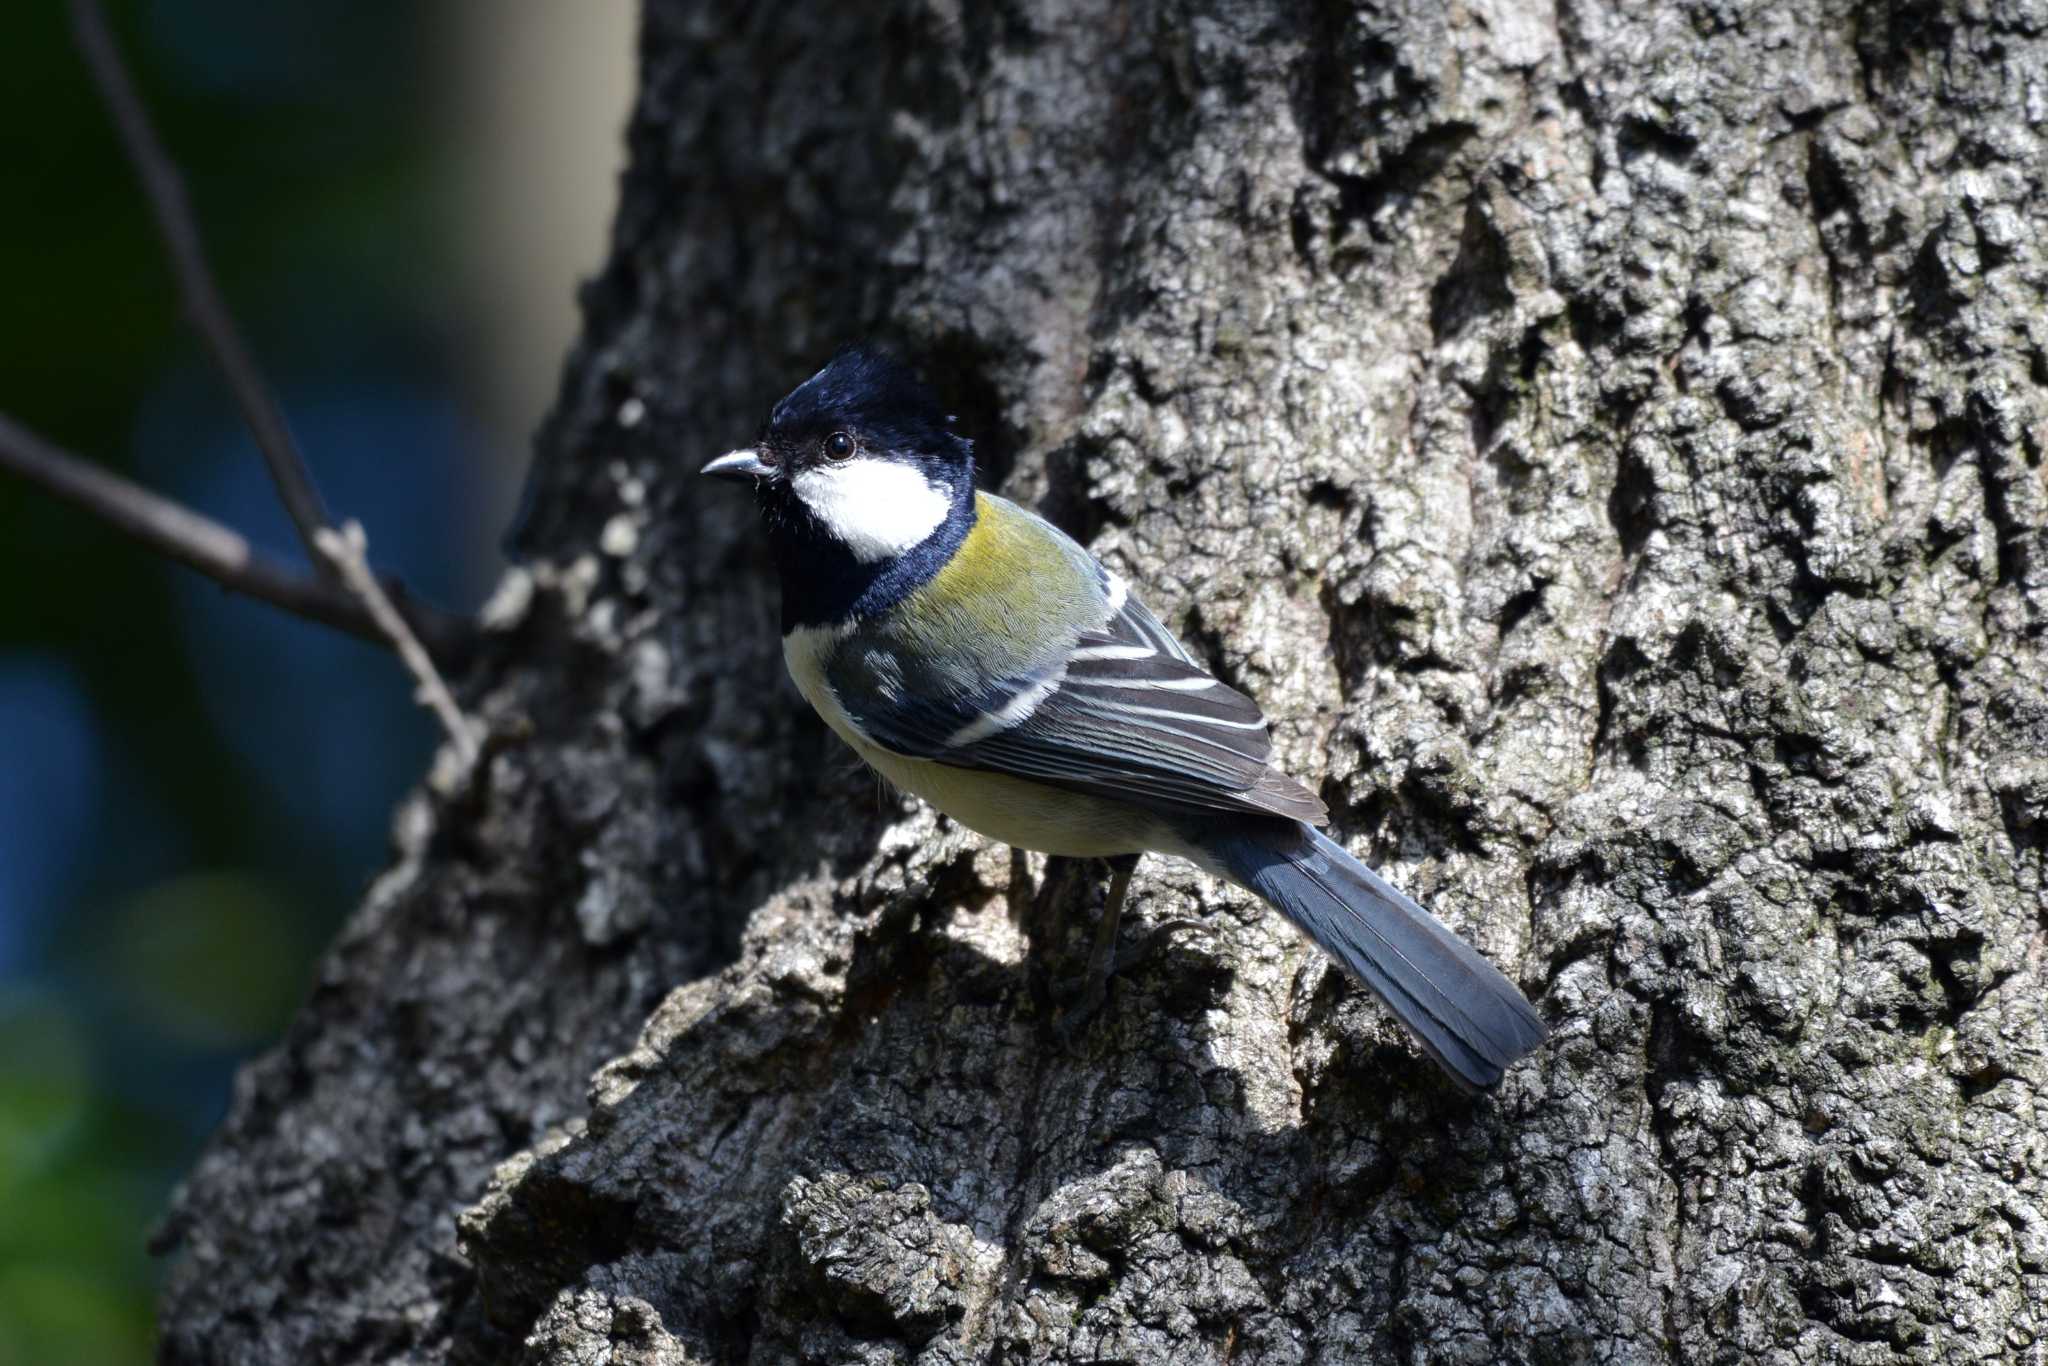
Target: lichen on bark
[(1609, 441)]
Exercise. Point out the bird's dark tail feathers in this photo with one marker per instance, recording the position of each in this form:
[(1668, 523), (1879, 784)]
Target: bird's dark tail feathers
[(1471, 1019)]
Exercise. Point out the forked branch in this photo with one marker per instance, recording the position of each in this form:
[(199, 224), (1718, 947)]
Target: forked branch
[(343, 591)]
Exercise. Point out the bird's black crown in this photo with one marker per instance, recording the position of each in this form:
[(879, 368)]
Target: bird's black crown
[(865, 391)]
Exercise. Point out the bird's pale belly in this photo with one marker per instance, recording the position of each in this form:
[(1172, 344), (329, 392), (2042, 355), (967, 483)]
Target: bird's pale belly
[(1018, 811)]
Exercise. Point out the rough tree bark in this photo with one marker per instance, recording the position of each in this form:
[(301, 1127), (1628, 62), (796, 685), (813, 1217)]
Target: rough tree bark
[(1608, 438)]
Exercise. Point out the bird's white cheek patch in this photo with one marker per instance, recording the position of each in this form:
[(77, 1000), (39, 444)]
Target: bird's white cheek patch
[(877, 508)]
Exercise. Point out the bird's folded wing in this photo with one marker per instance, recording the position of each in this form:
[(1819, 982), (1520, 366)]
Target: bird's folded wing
[(1125, 714)]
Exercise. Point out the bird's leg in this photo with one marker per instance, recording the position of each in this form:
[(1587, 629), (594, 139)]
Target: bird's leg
[(1020, 888), (1102, 957), (1047, 917), (1045, 925)]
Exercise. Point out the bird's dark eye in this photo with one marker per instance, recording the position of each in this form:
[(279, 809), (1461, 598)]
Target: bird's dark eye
[(838, 446)]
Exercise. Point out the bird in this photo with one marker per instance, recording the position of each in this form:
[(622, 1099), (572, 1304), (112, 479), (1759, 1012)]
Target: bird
[(975, 655)]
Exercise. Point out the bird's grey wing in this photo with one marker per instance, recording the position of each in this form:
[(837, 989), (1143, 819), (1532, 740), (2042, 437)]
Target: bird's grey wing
[(1124, 713)]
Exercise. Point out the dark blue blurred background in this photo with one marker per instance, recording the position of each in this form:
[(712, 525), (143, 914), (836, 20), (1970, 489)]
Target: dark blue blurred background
[(194, 788)]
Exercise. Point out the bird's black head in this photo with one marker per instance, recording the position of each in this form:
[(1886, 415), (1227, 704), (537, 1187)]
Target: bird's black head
[(871, 397), (863, 485)]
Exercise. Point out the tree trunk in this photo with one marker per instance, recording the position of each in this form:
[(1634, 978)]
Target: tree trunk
[(1607, 439)]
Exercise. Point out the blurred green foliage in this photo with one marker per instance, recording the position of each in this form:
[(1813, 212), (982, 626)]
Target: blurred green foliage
[(161, 900), (70, 1188)]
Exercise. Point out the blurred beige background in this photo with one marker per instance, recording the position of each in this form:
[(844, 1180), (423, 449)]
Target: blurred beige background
[(539, 94)]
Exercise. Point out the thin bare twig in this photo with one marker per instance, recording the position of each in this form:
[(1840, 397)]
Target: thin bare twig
[(348, 551), (172, 529), (167, 526), (204, 306), (197, 541)]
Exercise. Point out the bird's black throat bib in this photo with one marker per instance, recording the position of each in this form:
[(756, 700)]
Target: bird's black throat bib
[(823, 584)]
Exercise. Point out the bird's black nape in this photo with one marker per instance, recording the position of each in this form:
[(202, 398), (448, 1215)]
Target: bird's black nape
[(866, 389)]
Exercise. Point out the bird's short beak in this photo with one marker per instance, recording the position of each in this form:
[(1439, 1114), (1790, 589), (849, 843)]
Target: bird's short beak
[(740, 465)]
